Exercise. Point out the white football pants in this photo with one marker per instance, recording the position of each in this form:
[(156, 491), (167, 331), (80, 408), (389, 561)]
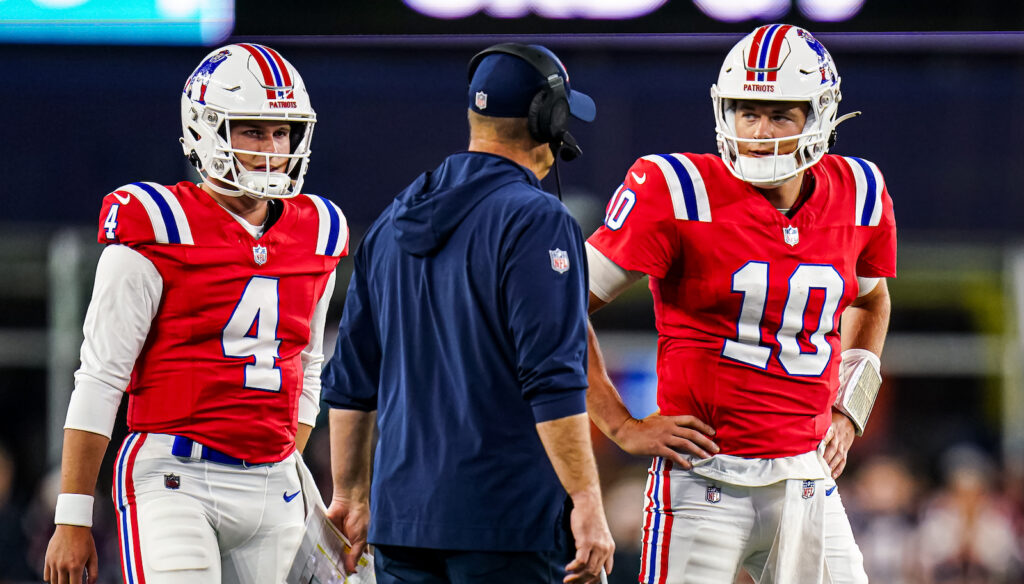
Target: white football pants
[(202, 522), (700, 531)]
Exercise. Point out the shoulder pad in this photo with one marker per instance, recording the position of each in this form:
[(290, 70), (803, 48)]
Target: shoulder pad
[(869, 191), (685, 186), (332, 237), (158, 208)]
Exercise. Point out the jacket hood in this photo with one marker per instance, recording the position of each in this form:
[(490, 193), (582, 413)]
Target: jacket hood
[(433, 206)]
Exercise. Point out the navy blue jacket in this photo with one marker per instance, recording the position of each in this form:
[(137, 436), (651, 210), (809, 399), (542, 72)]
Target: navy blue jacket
[(464, 326)]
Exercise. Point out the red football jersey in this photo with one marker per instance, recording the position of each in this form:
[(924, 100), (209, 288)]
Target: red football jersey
[(222, 363), (747, 301)]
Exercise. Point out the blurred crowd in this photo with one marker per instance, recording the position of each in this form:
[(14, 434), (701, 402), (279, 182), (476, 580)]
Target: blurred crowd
[(966, 526)]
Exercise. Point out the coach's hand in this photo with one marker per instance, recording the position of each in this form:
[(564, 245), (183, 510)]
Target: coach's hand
[(352, 518), (838, 441), (666, 436), (594, 543), (70, 552)]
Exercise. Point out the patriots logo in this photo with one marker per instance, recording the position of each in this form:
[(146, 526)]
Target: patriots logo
[(825, 67), (201, 78)]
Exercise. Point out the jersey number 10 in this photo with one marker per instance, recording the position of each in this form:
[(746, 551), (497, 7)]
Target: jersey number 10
[(752, 281)]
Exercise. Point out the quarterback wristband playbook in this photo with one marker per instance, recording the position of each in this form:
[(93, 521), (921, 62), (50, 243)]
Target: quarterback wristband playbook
[(73, 509), (859, 380)]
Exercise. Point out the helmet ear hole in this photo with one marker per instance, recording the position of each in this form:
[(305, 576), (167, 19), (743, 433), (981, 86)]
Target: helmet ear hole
[(298, 132)]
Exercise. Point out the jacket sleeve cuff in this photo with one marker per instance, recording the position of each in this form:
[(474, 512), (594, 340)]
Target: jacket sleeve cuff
[(337, 401), (561, 405)]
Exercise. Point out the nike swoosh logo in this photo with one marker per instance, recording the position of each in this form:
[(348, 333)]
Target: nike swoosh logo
[(127, 198), (288, 498), (829, 491), (640, 179)]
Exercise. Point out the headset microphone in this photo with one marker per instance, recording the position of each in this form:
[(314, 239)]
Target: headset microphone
[(569, 149)]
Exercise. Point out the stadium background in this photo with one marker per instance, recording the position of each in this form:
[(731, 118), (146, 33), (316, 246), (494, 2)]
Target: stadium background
[(936, 488)]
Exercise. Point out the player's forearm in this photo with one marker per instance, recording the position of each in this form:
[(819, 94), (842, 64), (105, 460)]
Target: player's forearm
[(567, 442), (81, 458), (302, 436), (604, 404), (351, 448), (866, 322)]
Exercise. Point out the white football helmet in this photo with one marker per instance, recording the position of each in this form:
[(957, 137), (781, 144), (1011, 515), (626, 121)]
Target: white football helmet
[(777, 62), (245, 82)]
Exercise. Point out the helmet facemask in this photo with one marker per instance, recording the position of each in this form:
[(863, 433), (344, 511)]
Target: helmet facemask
[(771, 171)]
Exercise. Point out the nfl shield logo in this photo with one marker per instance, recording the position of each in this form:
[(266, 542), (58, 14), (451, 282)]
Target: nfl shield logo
[(713, 495), (791, 235), (172, 481), (259, 255), (481, 100), (559, 260), (808, 489)]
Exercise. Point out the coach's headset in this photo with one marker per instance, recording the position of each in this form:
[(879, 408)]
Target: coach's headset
[(548, 117)]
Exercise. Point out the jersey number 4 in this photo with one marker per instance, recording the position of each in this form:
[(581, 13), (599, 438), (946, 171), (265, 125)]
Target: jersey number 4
[(752, 281), (251, 333)]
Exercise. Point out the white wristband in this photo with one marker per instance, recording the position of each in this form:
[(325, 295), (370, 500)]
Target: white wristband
[(73, 509)]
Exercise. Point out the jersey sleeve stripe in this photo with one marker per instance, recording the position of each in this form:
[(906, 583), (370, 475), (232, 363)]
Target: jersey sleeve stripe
[(695, 189), (165, 213), (685, 187), (869, 191), (329, 240)]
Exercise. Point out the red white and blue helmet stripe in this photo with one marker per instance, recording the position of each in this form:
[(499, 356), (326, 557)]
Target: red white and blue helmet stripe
[(763, 59), (276, 78)]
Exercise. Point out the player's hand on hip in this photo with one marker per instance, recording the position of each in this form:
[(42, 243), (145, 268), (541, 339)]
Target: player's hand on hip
[(71, 553), (594, 543), (668, 437), (352, 518), (838, 441)]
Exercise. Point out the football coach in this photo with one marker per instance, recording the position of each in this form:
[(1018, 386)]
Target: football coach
[(464, 339)]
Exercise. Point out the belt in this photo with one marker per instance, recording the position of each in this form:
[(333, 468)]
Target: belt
[(188, 448)]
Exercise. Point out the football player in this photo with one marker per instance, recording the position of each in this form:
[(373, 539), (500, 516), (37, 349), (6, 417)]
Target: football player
[(752, 257), (208, 309)]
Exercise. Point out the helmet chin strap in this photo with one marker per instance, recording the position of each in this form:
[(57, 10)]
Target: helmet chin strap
[(221, 190), (767, 171)]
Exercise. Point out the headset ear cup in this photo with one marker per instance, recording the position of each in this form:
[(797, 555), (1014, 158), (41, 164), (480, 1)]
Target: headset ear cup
[(537, 117), (558, 118), (548, 117)]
